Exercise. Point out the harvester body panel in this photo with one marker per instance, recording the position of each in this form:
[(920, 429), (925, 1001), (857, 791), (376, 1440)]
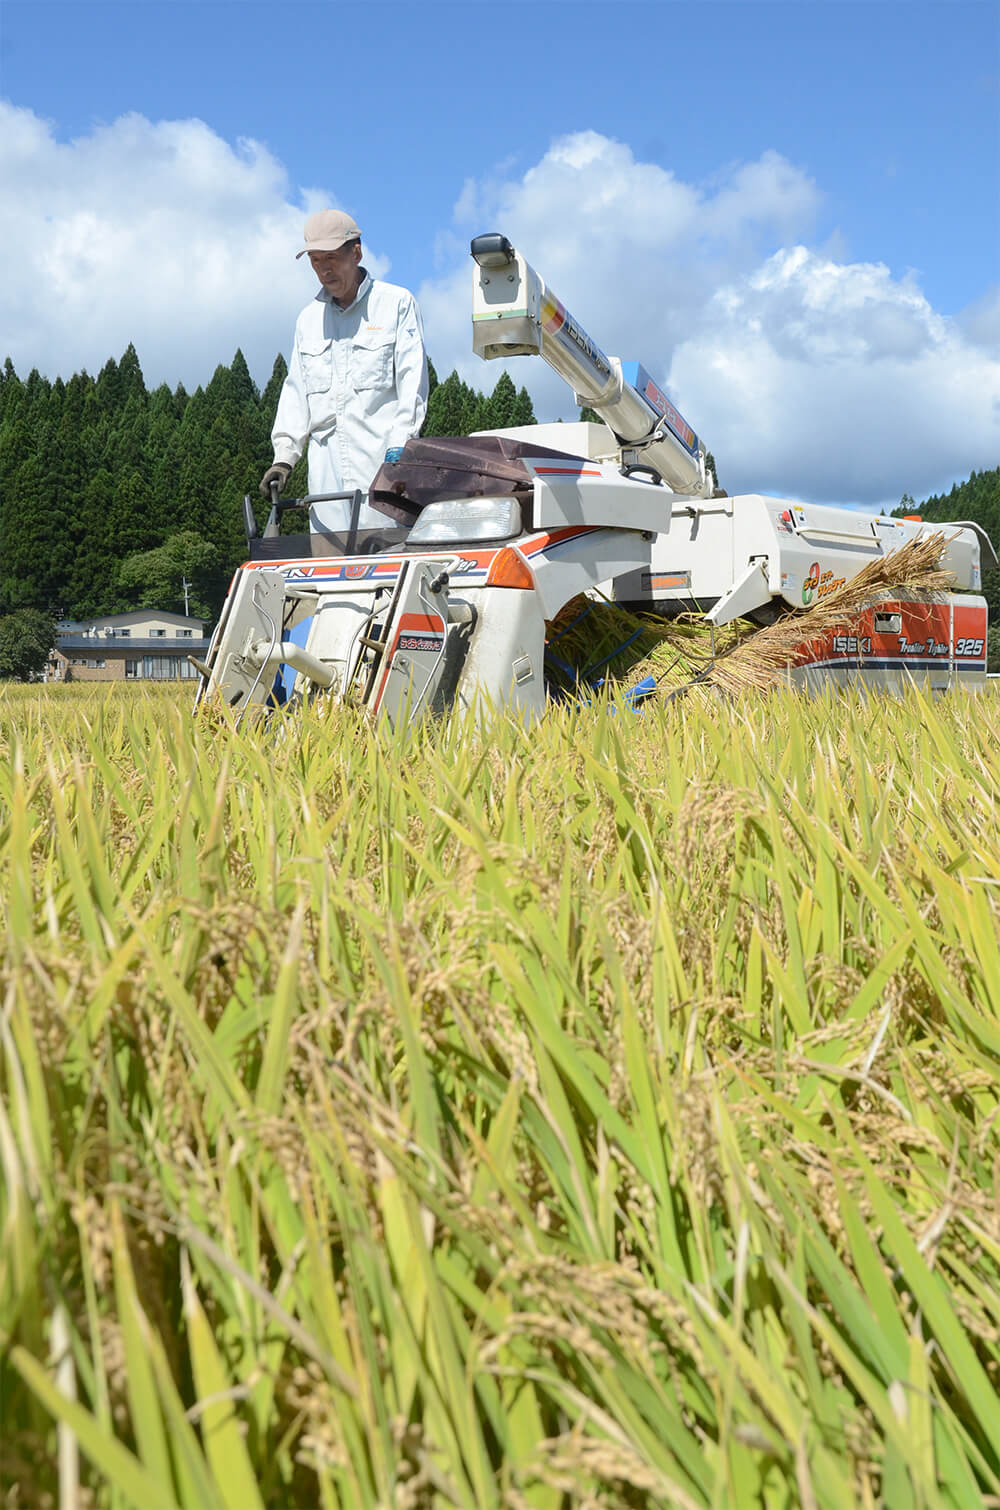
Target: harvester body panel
[(805, 552), (902, 642)]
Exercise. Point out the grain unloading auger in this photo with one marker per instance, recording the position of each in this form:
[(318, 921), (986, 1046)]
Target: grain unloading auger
[(488, 537)]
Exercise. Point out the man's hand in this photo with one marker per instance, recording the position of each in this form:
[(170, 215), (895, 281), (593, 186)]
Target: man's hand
[(278, 473)]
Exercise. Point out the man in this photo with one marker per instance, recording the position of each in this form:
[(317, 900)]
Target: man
[(356, 389)]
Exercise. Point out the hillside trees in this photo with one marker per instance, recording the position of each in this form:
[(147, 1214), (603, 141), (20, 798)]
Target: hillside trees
[(110, 495), (454, 408), (26, 641), (156, 578), (978, 500)]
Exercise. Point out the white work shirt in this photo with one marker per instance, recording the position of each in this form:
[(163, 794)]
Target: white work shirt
[(356, 385)]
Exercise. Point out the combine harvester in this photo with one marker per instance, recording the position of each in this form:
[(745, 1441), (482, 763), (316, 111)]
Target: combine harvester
[(488, 537)]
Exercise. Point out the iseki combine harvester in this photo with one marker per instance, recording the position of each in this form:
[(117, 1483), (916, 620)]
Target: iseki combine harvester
[(488, 537)]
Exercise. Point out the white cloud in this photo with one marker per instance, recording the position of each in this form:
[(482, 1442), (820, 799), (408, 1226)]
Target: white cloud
[(981, 321), (806, 374), (627, 245), (633, 250), (837, 382), (159, 233)]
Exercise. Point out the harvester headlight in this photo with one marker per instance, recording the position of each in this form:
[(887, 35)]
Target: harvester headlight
[(453, 521)]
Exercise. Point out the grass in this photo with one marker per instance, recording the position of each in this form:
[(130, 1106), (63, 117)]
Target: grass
[(597, 1115)]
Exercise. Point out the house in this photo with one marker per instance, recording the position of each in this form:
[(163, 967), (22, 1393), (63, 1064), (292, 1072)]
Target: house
[(144, 645)]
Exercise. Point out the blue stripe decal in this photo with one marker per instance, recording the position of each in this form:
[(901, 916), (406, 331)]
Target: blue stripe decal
[(878, 663)]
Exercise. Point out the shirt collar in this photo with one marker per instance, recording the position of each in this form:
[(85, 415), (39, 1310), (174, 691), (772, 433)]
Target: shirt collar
[(363, 287)]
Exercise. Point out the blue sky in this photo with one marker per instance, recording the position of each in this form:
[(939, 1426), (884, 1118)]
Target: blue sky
[(788, 211)]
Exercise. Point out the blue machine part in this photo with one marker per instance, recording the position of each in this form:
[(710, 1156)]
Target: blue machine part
[(638, 378), (298, 636)]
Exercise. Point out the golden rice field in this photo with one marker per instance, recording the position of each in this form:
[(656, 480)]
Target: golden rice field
[(602, 1115)]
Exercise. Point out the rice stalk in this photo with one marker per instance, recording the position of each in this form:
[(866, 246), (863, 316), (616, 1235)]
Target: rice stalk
[(603, 1114)]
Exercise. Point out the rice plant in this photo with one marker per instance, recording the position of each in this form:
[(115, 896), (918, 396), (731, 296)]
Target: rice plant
[(597, 1114)]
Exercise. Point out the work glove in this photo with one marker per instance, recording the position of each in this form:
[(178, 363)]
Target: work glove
[(394, 453), (277, 473)]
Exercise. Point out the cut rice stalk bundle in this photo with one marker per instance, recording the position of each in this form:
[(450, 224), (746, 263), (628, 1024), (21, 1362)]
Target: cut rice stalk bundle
[(593, 640)]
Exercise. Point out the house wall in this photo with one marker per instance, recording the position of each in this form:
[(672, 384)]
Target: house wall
[(80, 670), (140, 624), (145, 645)]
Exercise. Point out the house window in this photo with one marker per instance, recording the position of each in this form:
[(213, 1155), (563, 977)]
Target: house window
[(185, 634), (157, 634), (123, 634), (161, 668)]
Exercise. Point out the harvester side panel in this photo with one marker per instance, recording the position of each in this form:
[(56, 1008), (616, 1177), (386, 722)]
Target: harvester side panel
[(504, 665), (404, 680), (250, 628), (592, 493), (807, 552), (903, 642), (579, 560)]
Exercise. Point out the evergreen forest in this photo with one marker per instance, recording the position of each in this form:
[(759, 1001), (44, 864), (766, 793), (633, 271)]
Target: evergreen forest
[(113, 497), (977, 500)]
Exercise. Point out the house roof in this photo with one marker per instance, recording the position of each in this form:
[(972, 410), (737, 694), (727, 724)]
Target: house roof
[(127, 647), (101, 621)]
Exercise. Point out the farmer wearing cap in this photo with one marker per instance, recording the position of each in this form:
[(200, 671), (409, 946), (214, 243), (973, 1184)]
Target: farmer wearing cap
[(356, 389)]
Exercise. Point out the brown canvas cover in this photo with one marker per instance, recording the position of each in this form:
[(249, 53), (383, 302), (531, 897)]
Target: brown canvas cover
[(454, 466)]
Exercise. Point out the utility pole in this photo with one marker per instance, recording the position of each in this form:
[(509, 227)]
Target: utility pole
[(187, 588)]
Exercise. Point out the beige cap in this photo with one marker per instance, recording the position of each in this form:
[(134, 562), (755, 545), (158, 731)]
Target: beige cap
[(328, 230)]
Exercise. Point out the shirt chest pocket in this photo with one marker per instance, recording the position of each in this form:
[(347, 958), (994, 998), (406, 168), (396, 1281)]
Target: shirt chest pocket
[(371, 360), (317, 366)]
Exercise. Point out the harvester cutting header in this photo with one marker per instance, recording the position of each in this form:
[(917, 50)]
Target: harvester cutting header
[(488, 538)]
